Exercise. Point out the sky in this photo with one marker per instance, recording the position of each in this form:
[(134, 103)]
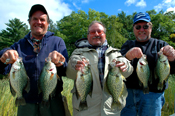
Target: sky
[(57, 9)]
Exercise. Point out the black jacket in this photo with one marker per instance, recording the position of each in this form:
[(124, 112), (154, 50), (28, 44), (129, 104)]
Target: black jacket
[(150, 48)]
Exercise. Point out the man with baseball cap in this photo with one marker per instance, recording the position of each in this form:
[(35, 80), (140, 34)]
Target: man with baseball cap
[(148, 102), (34, 48)]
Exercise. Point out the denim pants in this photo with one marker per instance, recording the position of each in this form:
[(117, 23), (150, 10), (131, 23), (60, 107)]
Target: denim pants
[(140, 104)]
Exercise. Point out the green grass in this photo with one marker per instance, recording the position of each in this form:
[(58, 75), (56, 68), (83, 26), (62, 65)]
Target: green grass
[(7, 107), (168, 107)]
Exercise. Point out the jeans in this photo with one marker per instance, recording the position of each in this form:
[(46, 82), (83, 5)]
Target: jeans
[(140, 104)]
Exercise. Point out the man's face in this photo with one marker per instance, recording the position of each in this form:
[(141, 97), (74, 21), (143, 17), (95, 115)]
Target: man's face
[(96, 36), (38, 24), (142, 31)]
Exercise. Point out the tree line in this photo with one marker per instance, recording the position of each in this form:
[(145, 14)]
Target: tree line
[(75, 26)]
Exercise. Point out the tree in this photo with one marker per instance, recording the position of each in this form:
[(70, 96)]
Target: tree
[(15, 30), (114, 32)]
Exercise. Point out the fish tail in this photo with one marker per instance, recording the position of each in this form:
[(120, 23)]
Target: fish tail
[(20, 101), (116, 106), (45, 103), (83, 105), (146, 90), (160, 86)]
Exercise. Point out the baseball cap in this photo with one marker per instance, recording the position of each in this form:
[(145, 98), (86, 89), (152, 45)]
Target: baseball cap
[(37, 7), (141, 17)]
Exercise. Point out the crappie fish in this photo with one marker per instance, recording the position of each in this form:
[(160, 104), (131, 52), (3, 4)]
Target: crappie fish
[(83, 85), (48, 81), (143, 73), (116, 86), (162, 69), (19, 81)]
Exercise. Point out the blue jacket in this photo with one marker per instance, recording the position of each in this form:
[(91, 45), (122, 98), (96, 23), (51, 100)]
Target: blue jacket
[(34, 62)]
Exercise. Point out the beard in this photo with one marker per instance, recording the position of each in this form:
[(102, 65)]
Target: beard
[(143, 39)]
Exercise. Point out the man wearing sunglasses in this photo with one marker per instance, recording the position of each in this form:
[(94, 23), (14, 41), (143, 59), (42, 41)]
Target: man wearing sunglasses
[(96, 50), (138, 103)]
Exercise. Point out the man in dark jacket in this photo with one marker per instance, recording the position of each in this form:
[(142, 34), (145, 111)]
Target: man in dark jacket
[(34, 48), (138, 103)]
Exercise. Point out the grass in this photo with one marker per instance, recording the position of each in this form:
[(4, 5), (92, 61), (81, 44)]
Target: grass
[(168, 107), (7, 107)]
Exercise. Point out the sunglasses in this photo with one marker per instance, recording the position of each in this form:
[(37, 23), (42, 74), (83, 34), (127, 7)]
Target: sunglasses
[(94, 32), (138, 27)]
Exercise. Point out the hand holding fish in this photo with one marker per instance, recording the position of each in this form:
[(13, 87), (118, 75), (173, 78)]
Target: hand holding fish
[(57, 58), (9, 57), (135, 52), (80, 64), (121, 65), (169, 52)]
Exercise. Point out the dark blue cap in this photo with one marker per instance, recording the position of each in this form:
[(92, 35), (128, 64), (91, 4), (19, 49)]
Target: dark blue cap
[(37, 7), (141, 17)]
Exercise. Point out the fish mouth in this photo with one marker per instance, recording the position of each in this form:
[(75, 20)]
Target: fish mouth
[(51, 69), (141, 63)]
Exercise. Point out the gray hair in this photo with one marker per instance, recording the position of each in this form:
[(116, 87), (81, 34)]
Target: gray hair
[(93, 22)]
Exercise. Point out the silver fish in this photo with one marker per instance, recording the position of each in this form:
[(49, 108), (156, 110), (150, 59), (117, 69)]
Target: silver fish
[(19, 81), (143, 73), (162, 69), (48, 81), (83, 85), (116, 86)]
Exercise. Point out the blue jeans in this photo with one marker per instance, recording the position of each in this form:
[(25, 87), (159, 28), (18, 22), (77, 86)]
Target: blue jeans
[(140, 104)]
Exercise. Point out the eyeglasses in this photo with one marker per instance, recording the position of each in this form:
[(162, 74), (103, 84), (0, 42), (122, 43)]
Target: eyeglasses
[(139, 27), (94, 32)]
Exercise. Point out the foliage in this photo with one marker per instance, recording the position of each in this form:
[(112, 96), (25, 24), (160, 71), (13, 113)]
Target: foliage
[(15, 30), (75, 26)]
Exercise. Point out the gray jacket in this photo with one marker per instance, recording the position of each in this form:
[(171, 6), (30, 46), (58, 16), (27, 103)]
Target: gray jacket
[(100, 102)]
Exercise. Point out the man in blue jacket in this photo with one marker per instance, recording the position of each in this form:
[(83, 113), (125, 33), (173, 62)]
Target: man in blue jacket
[(34, 48), (138, 103)]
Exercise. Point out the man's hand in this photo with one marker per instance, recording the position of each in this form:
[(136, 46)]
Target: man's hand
[(80, 65), (169, 52), (9, 57), (57, 58), (121, 65), (135, 52)]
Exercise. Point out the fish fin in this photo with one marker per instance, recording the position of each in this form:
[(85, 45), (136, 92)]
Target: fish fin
[(90, 93), (155, 74), (83, 106), (116, 106), (150, 78), (58, 78), (53, 93), (123, 78), (45, 103), (124, 91), (12, 90), (20, 101), (51, 76), (166, 79), (27, 88), (39, 88), (160, 86), (140, 83), (146, 90)]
